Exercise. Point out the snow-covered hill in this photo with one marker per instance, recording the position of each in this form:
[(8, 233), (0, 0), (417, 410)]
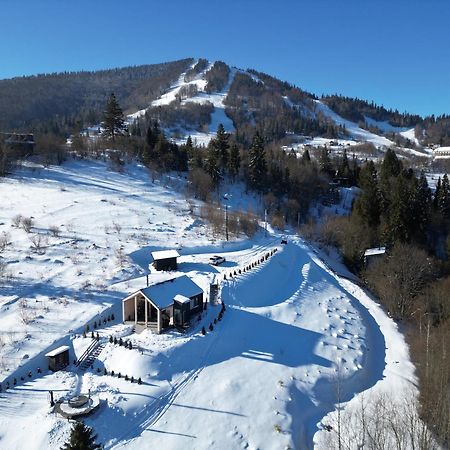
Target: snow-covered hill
[(265, 377), (215, 98)]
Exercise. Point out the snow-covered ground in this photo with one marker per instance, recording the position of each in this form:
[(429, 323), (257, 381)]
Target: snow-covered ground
[(265, 377)]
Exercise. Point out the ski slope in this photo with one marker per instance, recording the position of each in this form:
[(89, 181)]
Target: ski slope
[(265, 378), (352, 128), (218, 116)]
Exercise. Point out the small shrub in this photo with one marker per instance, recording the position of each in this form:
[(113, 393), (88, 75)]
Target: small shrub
[(132, 379), (115, 340), (119, 375), (27, 224), (120, 342), (211, 327), (112, 373), (215, 321), (4, 241), (105, 372), (126, 377), (130, 345), (16, 220), (139, 380), (111, 340), (54, 231), (92, 335)]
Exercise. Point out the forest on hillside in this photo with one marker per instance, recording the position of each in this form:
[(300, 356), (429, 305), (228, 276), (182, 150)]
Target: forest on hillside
[(60, 103)]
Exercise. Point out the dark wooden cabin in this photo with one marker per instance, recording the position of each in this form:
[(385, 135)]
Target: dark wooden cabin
[(165, 260), (173, 302), (58, 358)]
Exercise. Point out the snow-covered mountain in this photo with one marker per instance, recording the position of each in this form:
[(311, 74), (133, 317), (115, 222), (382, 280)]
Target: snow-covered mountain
[(282, 99)]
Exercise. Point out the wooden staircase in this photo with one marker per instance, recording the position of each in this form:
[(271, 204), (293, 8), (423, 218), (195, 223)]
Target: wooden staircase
[(90, 355)]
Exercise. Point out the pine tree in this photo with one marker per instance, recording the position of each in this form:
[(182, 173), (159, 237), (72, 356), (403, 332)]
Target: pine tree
[(443, 198), (113, 123), (389, 170), (367, 205), (306, 158), (344, 168), (257, 166), (325, 162), (212, 163), (235, 161), (421, 213), (81, 438), (221, 145)]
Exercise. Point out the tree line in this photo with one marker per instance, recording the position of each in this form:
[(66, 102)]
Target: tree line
[(397, 209)]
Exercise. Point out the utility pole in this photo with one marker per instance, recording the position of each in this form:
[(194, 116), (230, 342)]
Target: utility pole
[(226, 221), (265, 222)]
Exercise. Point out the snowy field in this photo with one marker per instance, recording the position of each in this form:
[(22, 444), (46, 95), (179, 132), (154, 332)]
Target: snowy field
[(264, 378)]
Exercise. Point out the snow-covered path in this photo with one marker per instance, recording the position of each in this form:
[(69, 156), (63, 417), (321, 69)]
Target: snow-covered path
[(270, 374)]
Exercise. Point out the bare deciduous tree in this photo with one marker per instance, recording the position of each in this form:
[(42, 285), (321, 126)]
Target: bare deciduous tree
[(16, 220), (27, 224), (5, 240)]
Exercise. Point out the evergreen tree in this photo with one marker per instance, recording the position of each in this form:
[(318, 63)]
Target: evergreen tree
[(190, 153), (306, 158), (325, 162), (391, 165), (221, 145), (443, 197), (367, 205), (422, 208), (344, 168), (81, 438), (212, 163), (257, 166), (235, 161), (390, 169), (113, 123), (436, 194)]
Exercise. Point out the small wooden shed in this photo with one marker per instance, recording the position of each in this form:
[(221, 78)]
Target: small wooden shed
[(58, 358), (372, 255), (165, 259)]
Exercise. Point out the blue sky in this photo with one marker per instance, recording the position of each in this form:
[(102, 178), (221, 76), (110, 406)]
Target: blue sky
[(396, 52)]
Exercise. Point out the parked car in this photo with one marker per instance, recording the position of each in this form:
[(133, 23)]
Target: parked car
[(216, 260), (284, 240)]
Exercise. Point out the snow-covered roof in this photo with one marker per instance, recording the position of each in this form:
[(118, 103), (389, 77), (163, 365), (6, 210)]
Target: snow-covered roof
[(57, 351), (375, 251), (181, 298), (164, 293), (164, 254)]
